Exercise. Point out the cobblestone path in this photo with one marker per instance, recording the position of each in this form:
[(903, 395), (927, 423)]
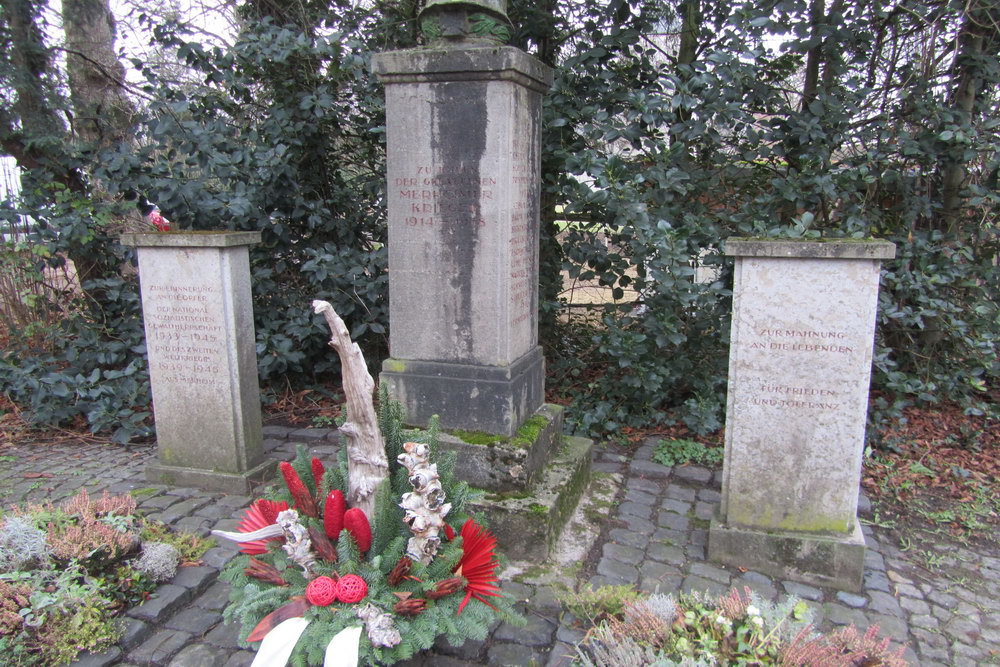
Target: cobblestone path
[(654, 537)]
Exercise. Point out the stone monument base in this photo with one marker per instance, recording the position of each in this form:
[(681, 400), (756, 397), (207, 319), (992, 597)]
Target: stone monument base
[(492, 399), (500, 463), (823, 560), (241, 483), (528, 524)]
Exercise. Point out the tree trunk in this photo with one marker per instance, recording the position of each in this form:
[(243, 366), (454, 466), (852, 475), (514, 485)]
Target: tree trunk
[(977, 43), (30, 125), (366, 461), (102, 113)]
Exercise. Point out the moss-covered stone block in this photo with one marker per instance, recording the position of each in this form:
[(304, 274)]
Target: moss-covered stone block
[(527, 523), (501, 464)]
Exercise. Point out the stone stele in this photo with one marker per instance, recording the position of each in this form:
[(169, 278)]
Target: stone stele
[(799, 370), (202, 359), (463, 134)]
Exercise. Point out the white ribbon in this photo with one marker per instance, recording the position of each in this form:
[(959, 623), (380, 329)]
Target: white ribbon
[(274, 530), (277, 646), (342, 651)]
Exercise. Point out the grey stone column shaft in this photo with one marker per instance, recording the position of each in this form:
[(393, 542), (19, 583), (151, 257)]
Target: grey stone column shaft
[(463, 132), (799, 369), (200, 341)]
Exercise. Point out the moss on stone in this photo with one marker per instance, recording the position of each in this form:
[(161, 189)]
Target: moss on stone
[(394, 366), (529, 431), (477, 437), (523, 439), (146, 491)]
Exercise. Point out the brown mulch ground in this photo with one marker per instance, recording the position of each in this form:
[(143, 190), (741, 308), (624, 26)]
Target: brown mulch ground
[(938, 474)]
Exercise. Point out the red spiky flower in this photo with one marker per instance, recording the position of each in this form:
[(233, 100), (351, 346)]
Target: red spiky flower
[(318, 471), (303, 501), (356, 523), (260, 514), (333, 513), (478, 564)]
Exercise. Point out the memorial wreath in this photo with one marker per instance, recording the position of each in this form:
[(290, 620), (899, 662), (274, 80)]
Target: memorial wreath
[(342, 567)]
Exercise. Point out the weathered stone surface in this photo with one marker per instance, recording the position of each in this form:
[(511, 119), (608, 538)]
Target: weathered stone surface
[(649, 469), (511, 654), (168, 599), (463, 234), (509, 464), (693, 473), (87, 659), (529, 526), (159, 648), (134, 633), (800, 358), (202, 358), (836, 562), (628, 538), (803, 591), (224, 635), (711, 572), (537, 632), (623, 553), (194, 620), (199, 655), (666, 553), (799, 369), (622, 572)]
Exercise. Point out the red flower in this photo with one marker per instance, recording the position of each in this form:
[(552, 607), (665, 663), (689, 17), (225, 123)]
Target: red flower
[(318, 472), (158, 220), (356, 523), (333, 513), (261, 513), (303, 501), (449, 532), (478, 564)]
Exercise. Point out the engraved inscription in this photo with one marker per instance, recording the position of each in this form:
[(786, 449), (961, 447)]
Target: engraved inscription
[(780, 340), (185, 339), (429, 197), (801, 340), (523, 180)]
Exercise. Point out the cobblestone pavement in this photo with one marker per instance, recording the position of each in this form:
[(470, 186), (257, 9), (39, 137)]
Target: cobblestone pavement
[(654, 538)]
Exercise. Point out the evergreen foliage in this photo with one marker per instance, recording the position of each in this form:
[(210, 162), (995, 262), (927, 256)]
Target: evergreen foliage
[(670, 127), (251, 600)]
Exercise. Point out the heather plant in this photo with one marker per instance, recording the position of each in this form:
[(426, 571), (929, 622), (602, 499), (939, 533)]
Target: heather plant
[(67, 570), (22, 544), (737, 628), (158, 560), (602, 602), (189, 546)]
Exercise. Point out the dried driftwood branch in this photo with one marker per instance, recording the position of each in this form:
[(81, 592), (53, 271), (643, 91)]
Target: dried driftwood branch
[(367, 465)]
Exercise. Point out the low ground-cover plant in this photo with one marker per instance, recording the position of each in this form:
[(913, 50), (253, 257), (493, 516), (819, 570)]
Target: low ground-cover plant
[(740, 628), (681, 451), (67, 571)]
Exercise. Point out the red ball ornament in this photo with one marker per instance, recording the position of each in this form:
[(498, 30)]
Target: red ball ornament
[(351, 588), (321, 591)]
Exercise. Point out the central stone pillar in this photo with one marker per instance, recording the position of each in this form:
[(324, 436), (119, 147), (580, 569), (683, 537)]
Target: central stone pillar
[(463, 135)]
